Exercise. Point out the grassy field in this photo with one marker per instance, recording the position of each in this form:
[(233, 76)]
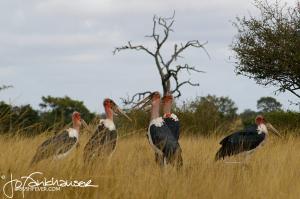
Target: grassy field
[(272, 172)]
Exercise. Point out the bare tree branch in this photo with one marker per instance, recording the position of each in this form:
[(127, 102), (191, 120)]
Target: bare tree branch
[(162, 26), (3, 87), (135, 98), (130, 46), (178, 51)]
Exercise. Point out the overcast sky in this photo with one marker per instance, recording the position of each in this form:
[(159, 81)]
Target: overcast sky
[(64, 47)]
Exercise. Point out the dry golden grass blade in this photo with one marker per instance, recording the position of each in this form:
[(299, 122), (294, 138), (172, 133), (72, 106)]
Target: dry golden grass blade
[(272, 172)]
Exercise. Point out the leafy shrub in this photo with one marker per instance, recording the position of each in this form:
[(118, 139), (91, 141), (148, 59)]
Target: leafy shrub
[(285, 121), (206, 115)]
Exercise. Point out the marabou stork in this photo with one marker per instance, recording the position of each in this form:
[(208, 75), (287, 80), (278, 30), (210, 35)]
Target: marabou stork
[(104, 140), (171, 121), (159, 135), (60, 145), (247, 140)]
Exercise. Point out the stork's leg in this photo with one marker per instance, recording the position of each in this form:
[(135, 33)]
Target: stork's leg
[(108, 162), (165, 161), (177, 160), (247, 156), (159, 159)]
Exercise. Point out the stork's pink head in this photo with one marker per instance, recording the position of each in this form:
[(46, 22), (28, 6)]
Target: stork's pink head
[(152, 99), (155, 96), (111, 107), (108, 103), (260, 120), (76, 116)]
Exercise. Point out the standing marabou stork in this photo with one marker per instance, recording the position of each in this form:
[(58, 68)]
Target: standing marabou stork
[(246, 140), (159, 135), (103, 142), (171, 121), (60, 145)]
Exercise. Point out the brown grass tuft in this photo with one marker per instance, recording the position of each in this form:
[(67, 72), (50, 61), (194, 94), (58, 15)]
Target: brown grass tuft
[(273, 171)]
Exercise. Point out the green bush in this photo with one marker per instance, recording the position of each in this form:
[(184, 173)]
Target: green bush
[(140, 121), (285, 121), (288, 121), (248, 117), (14, 119), (207, 115), (202, 116)]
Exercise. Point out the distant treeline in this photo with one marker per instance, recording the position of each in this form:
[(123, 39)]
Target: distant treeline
[(218, 115), (201, 116), (54, 114)]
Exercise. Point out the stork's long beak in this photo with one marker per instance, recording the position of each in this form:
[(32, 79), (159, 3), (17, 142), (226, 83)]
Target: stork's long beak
[(85, 125), (147, 108), (145, 102), (273, 130), (117, 109)]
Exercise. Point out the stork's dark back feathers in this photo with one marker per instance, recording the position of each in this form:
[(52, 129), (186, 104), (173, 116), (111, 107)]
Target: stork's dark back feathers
[(241, 141), (102, 143), (57, 145), (165, 141), (173, 126)]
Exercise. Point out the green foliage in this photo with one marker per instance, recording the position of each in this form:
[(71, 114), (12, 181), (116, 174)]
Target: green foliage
[(225, 106), (201, 116), (56, 114), (140, 121), (268, 104), (267, 47), (285, 121), (58, 111), (207, 114), (14, 119), (248, 117)]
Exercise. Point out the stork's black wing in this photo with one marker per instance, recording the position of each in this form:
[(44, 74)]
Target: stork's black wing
[(102, 143), (241, 141), (173, 126), (57, 145), (245, 140), (165, 141), (237, 137)]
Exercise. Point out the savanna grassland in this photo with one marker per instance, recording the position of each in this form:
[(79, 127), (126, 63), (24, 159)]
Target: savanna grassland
[(272, 172)]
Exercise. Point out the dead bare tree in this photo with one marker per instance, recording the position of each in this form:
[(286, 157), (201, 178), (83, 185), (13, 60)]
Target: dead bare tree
[(167, 68)]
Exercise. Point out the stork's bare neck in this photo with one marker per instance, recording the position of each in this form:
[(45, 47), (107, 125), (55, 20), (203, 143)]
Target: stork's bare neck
[(109, 113), (167, 102), (167, 106), (76, 119), (76, 125), (155, 109)]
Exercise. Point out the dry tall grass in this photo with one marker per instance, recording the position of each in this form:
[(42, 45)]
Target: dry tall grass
[(273, 171)]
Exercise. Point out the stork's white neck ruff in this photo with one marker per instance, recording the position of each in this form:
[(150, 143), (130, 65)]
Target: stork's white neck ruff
[(262, 129), (158, 122), (172, 115), (108, 123), (73, 132)]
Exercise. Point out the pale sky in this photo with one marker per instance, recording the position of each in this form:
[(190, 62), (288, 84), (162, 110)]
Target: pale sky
[(64, 47)]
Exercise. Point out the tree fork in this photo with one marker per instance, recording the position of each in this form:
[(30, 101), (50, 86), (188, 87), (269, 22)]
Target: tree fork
[(168, 73)]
